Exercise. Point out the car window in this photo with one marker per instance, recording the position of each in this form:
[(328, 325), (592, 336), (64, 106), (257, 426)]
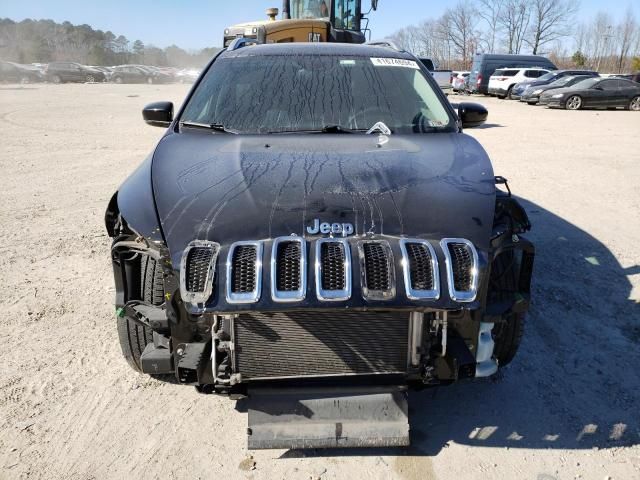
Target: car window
[(505, 73), (609, 85), (548, 76), (277, 93), (532, 73)]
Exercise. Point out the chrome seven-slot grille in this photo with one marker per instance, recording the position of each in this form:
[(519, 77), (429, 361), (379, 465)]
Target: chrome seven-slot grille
[(332, 269)]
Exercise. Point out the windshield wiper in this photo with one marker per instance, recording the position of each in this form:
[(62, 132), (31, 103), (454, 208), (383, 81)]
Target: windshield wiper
[(325, 129), (336, 129), (217, 127)]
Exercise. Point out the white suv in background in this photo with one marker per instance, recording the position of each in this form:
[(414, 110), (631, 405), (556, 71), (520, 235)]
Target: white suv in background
[(504, 79)]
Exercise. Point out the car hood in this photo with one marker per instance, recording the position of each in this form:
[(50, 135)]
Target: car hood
[(229, 188), (563, 90), (532, 84)]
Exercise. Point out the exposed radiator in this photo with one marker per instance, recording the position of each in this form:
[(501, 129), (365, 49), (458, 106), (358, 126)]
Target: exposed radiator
[(308, 344)]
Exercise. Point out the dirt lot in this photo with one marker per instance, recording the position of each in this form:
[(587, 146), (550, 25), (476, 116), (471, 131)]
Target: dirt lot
[(70, 407)]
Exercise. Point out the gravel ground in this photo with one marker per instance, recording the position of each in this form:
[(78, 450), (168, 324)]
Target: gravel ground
[(70, 407)]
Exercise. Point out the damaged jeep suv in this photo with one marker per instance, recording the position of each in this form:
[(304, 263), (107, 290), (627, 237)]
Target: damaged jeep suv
[(314, 225)]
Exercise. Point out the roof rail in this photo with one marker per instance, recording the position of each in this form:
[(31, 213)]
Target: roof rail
[(385, 43), (241, 42)]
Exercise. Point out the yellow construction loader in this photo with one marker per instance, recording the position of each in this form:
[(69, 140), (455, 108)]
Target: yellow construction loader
[(307, 21)]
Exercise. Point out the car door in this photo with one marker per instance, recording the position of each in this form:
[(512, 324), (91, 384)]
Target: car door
[(139, 76), (628, 90), (612, 93), (73, 72), (5, 72)]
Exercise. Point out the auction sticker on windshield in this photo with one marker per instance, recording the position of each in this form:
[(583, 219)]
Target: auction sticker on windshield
[(395, 62)]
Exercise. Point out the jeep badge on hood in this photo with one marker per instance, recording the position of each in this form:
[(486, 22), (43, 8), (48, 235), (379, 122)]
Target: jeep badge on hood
[(324, 228)]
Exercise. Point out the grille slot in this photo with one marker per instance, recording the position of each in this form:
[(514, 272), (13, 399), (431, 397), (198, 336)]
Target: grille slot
[(462, 265), (377, 269), (243, 268), (197, 271), (332, 259), (420, 268), (462, 268), (310, 344), (333, 269), (198, 261), (244, 272), (288, 269)]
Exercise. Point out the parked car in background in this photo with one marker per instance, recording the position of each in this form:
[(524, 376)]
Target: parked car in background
[(546, 79), (459, 81), (108, 71), (17, 73), (156, 75), (532, 95), (60, 72), (484, 64), (596, 92), (503, 80), (636, 77), (188, 75), (131, 74), (442, 77)]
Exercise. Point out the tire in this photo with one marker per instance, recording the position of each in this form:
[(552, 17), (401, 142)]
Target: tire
[(25, 80), (56, 79), (90, 78), (118, 80), (634, 104), (574, 102), (133, 336), (150, 80), (509, 92), (501, 97), (507, 335)]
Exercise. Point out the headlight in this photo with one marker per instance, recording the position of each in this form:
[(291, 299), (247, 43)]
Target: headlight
[(537, 92), (558, 95)]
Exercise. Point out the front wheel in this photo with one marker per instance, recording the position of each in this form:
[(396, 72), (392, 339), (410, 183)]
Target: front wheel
[(573, 103), (56, 79), (118, 80), (635, 104), (510, 93), (133, 336), (507, 334), (25, 80), (149, 80), (90, 78)]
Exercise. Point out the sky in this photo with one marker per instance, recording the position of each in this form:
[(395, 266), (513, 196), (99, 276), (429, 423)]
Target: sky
[(194, 24)]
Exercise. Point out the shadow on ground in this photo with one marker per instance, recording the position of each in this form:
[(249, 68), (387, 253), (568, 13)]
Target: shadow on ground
[(575, 383)]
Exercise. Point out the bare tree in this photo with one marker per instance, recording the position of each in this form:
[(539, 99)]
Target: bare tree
[(460, 23), (627, 31), (551, 21), (490, 11), (514, 18)]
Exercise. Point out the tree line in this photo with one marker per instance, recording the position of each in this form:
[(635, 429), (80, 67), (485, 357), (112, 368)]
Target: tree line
[(45, 41), (539, 27)]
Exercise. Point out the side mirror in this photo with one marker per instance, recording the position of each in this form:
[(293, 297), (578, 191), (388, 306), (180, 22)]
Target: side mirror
[(471, 114), (597, 87), (374, 5), (158, 114)]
